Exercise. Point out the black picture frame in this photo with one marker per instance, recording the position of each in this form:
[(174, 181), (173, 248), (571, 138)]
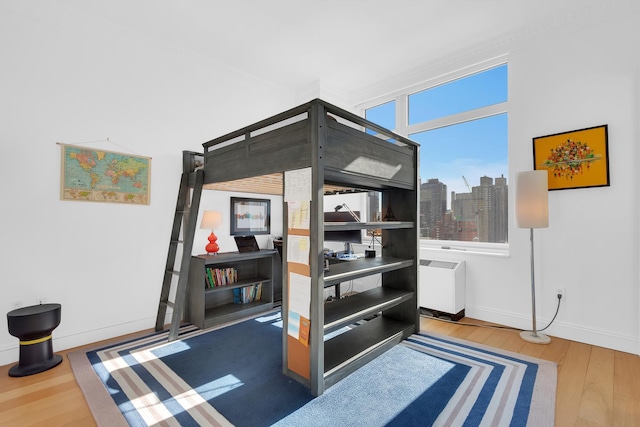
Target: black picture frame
[(574, 159), (250, 216)]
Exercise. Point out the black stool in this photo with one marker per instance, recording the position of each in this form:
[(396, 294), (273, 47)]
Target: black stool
[(33, 326)]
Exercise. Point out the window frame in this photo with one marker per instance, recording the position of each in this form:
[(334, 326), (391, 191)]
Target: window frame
[(401, 98)]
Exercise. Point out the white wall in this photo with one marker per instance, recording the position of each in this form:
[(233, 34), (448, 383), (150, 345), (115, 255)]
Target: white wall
[(586, 78), (72, 79)]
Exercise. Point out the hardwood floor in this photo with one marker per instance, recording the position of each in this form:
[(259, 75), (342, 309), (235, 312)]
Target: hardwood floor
[(50, 398), (596, 386)]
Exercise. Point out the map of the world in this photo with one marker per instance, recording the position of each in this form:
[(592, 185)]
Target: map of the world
[(104, 176)]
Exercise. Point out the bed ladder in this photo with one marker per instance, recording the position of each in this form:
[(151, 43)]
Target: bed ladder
[(185, 219)]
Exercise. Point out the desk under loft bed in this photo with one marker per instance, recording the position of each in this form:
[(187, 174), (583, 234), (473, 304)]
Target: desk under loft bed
[(345, 153)]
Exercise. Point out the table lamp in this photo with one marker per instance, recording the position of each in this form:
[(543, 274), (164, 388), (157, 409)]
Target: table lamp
[(532, 211), (210, 221)]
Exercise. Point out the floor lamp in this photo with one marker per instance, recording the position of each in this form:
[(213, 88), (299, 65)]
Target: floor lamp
[(532, 211)]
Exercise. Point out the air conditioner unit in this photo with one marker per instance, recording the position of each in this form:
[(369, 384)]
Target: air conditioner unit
[(442, 288)]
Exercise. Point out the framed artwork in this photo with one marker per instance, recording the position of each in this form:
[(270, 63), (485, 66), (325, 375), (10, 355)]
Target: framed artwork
[(250, 216), (576, 159)]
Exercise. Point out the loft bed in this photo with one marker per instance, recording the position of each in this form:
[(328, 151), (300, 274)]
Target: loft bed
[(345, 153), (285, 142)]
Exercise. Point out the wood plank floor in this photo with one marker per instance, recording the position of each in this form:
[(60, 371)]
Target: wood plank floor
[(596, 386)]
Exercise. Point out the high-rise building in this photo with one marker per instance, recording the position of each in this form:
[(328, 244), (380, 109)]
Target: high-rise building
[(500, 221), (484, 197), (433, 206), (481, 215), (374, 206), (465, 210)]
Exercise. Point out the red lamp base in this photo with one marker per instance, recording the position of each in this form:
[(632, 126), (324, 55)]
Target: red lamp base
[(212, 247)]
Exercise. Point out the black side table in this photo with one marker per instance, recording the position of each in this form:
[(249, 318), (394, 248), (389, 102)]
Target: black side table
[(33, 326)]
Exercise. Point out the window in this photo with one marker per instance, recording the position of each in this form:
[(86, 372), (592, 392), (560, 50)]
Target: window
[(464, 94), (461, 126), (383, 115)]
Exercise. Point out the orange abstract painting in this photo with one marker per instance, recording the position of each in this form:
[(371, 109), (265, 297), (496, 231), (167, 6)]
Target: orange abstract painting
[(575, 159)]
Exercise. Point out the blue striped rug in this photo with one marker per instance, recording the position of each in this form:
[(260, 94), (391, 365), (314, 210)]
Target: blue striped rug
[(232, 376)]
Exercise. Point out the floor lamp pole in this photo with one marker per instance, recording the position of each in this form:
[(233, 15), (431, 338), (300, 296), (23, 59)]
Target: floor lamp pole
[(533, 335), (534, 330)]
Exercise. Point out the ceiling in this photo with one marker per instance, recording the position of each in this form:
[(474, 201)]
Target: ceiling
[(344, 45)]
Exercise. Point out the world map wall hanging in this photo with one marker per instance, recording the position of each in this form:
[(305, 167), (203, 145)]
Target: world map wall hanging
[(104, 176)]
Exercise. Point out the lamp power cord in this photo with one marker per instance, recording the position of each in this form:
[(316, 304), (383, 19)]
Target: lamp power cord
[(554, 316), (497, 326)]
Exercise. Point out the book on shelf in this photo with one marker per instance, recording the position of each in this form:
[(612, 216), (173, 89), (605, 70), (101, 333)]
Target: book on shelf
[(247, 294), (215, 277)]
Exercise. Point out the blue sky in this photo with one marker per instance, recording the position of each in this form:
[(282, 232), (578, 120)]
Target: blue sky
[(471, 149)]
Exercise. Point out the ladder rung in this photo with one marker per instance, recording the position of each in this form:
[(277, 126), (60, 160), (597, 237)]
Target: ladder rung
[(167, 303), (174, 272), (180, 242)]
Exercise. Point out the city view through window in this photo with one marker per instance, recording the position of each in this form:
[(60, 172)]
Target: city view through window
[(463, 190), (461, 127), (478, 215)]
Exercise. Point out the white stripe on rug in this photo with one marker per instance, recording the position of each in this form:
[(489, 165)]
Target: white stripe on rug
[(149, 407), (505, 395), (201, 411), (465, 397)]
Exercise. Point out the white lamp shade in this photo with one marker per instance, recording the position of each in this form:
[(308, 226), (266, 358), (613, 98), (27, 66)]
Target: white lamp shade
[(532, 199), (211, 220)]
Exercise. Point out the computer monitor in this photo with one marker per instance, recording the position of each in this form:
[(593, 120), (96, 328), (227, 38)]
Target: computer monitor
[(344, 236)]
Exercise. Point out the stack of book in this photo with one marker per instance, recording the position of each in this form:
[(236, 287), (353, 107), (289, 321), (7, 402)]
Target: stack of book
[(215, 277), (247, 294)]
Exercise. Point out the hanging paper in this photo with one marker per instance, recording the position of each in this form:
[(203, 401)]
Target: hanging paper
[(300, 294), (298, 212), (298, 249), (293, 324), (297, 185), (305, 326)]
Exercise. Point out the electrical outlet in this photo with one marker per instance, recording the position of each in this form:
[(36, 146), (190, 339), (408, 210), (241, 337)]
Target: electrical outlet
[(561, 292)]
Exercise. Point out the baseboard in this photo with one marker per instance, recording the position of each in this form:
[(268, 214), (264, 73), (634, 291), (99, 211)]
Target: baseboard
[(569, 331), (10, 355)]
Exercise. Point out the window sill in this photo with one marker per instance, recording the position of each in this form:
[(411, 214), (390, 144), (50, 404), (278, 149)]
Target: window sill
[(471, 248)]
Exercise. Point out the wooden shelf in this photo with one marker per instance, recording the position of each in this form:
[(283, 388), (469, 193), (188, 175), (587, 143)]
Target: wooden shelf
[(238, 284), (350, 350), (385, 225), (227, 257), (349, 270), (348, 310), (228, 312)]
